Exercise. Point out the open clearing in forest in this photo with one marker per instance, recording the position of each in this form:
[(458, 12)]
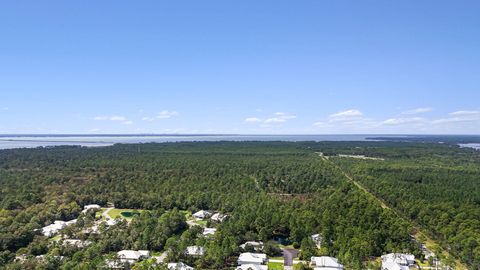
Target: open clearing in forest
[(127, 214)]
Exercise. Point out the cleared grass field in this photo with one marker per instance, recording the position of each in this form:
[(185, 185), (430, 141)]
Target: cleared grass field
[(124, 213), (275, 266)]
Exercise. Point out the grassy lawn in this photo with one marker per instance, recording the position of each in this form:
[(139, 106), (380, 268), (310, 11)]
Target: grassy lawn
[(188, 214), (275, 266), (283, 246), (296, 266), (98, 214), (201, 222), (56, 238), (114, 213)]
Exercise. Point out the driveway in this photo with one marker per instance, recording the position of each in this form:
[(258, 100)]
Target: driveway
[(288, 255)]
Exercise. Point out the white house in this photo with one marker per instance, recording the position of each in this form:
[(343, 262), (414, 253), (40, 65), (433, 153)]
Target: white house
[(317, 239), (111, 222), (256, 245), (209, 231), (397, 261), (202, 214), (252, 267), (195, 251), (132, 256), (218, 217), (90, 206), (252, 258), (325, 263), (76, 243), (43, 257), (56, 226), (179, 266)]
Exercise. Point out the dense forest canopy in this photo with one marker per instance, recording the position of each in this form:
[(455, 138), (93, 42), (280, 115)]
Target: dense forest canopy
[(270, 190)]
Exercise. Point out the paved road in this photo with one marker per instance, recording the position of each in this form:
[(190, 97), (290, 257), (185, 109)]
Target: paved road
[(288, 255)]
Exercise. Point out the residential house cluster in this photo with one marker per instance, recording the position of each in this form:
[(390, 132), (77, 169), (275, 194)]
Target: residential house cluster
[(325, 263), (254, 261), (397, 261), (204, 214), (56, 226)]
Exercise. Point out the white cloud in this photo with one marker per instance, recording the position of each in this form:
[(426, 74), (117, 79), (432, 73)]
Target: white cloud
[(418, 111), (94, 130), (253, 120), (110, 118), (166, 114), (465, 113), (118, 118), (146, 118), (346, 116), (347, 113), (127, 122), (354, 121), (459, 117), (402, 121), (277, 118)]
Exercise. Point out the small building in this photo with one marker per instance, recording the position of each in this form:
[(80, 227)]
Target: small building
[(209, 231), (111, 222), (179, 266), (202, 214), (252, 267), (252, 258), (397, 261), (132, 256), (21, 258), (195, 251), (90, 206), (325, 263), (257, 246), (76, 243), (317, 239), (44, 257), (218, 217)]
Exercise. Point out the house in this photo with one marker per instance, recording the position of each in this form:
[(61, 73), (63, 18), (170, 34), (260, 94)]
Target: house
[(252, 258), (44, 257), (317, 239), (111, 222), (325, 263), (56, 226), (90, 206), (115, 264), (397, 261), (426, 252), (21, 258), (252, 267), (202, 214), (257, 246), (76, 243), (132, 256), (209, 231), (195, 251), (179, 266), (218, 217)]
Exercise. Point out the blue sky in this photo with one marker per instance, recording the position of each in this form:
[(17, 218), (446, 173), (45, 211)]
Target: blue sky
[(254, 67)]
